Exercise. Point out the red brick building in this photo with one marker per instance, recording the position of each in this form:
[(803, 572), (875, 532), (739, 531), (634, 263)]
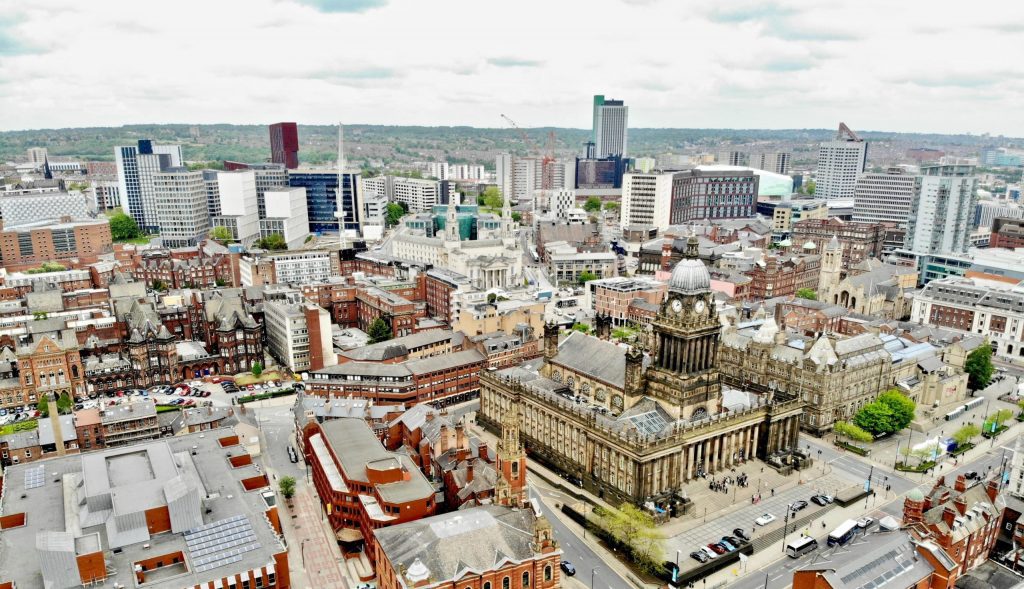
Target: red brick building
[(207, 265), (363, 486), (859, 241), (782, 275), (1007, 233), (70, 242)]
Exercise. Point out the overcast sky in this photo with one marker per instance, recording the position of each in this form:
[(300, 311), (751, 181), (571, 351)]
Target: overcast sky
[(911, 65)]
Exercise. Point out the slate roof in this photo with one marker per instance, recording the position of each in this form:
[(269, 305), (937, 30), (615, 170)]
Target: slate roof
[(594, 357)]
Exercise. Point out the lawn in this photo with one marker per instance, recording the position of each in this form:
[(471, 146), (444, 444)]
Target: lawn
[(21, 426), (246, 378), (144, 240)]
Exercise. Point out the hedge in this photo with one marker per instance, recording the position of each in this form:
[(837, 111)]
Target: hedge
[(961, 449), (263, 396), (852, 448), (902, 467), (167, 408), (999, 430)]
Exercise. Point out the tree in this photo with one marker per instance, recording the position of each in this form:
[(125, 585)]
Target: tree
[(902, 407), (611, 206), (274, 241), (159, 285), (592, 205), (876, 418), (964, 435), (287, 486), (220, 282), (586, 276), (221, 235), (634, 528), (810, 187), (978, 367), (65, 403), (43, 407), (123, 227), (807, 293), (517, 217), (581, 327), (852, 432), (393, 213), (995, 420), (257, 369), (623, 333), (379, 331), (491, 198)]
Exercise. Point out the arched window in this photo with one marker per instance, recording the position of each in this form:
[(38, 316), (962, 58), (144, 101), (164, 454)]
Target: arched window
[(547, 573), (515, 469), (556, 376), (585, 389), (487, 585), (571, 383), (526, 580), (506, 583)]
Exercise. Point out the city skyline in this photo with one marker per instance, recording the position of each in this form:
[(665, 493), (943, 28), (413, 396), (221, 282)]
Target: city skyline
[(786, 65)]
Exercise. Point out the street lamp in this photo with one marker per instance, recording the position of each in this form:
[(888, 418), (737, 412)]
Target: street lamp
[(785, 526), (592, 571)]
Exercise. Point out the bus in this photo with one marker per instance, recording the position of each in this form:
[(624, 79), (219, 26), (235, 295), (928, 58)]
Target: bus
[(975, 402), (955, 413), (801, 546), (843, 534)]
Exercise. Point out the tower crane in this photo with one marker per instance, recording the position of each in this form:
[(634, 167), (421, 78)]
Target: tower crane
[(548, 155)]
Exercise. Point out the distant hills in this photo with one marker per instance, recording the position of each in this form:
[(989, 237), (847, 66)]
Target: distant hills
[(380, 145)]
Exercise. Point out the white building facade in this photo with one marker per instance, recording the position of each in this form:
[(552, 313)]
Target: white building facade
[(239, 206), (840, 161), (647, 199), (180, 205), (943, 207), (884, 197), (286, 215)]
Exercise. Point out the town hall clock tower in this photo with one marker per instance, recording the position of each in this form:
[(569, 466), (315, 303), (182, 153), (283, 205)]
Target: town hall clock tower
[(684, 370)]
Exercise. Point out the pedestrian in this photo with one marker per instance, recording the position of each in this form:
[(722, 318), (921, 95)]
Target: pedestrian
[(773, 492), (823, 524)]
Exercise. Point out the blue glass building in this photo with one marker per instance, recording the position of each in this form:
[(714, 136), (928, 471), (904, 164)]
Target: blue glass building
[(322, 198)]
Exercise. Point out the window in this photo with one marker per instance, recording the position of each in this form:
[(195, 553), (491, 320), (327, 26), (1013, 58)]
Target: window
[(547, 573), (487, 585), (526, 580), (506, 583)]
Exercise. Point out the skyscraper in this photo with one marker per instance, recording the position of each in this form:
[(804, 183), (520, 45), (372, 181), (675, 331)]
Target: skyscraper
[(136, 190), (181, 208), (322, 198), (940, 218), (839, 163), (771, 161), (646, 199), (610, 126), (284, 144), (884, 197)]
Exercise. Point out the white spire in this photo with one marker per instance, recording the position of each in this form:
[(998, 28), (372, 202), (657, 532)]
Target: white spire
[(339, 196)]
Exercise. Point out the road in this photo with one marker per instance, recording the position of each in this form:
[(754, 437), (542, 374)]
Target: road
[(588, 564), (780, 573)]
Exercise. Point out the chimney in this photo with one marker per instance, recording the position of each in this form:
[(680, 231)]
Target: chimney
[(960, 504), (992, 488), (948, 515), (482, 451), (469, 472), (444, 439), (460, 436), (58, 434), (430, 416), (961, 484)]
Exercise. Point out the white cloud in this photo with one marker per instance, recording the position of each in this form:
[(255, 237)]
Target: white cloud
[(875, 64)]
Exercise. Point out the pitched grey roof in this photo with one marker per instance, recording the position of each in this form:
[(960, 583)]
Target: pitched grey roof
[(594, 357), (435, 363)]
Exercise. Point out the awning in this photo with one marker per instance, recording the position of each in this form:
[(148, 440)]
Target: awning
[(349, 535)]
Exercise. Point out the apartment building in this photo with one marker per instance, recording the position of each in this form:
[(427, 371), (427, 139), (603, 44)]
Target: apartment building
[(180, 206), (647, 199), (298, 333)]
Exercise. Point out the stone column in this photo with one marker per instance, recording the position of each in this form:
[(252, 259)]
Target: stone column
[(690, 451)]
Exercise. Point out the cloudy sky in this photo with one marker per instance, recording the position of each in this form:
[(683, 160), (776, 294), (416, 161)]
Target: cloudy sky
[(936, 66)]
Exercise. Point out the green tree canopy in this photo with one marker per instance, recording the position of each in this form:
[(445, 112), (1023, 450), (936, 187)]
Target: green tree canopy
[(581, 327), (517, 216), (123, 227), (586, 276), (287, 486), (221, 234), (902, 407), (379, 331), (274, 241), (592, 205), (634, 527), (979, 368), (257, 369), (491, 198), (965, 434), (851, 431), (65, 403), (996, 419), (611, 206), (807, 293), (876, 418), (43, 407), (393, 213)]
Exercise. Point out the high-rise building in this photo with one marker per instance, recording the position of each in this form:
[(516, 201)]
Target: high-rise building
[(646, 199), (779, 162), (732, 158), (284, 144), (238, 211), (884, 197), (713, 194), (212, 191), (418, 194), (438, 170), (611, 121), (940, 216), (518, 177), (268, 177), (134, 177), (286, 216), (182, 212), (840, 161), (322, 200), (37, 155)]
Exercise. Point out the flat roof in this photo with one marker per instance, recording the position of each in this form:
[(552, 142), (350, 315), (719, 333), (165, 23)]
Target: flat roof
[(196, 456)]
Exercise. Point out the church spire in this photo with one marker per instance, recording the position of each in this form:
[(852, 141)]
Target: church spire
[(511, 485), (506, 217), (451, 221), (692, 249)]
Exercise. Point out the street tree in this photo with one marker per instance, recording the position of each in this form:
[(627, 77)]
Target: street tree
[(996, 420), (902, 407), (43, 408), (592, 205), (379, 331), (978, 367), (807, 293), (634, 528), (586, 276), (876, 418), (64, 403), (287, 486), (393, 214), (965, 434), (491, 198), (274, 241), (123, 227), (581, 327), (257, 369)]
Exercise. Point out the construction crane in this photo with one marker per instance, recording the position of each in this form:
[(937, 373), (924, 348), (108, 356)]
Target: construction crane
[(548, 155)]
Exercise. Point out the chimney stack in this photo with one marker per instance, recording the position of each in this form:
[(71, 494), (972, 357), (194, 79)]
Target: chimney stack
[(948, 515), (469, 472), (961, 484)]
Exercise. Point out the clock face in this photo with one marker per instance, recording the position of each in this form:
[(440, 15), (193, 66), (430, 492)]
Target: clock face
[(677, 305), (699, 306)]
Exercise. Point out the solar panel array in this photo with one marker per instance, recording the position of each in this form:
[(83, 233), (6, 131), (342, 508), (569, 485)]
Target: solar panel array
[(34, 477), (221, 542), (649, 423)]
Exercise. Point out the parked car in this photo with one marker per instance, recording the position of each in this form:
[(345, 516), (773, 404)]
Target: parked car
[(718, 548), (567, 568), (292, 454), (865, 522), (741, 534), (697, 555), (972, 475), (728, 545), (732, 540), (819, 500), (765, 519), (799, 505), (708, 552)]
